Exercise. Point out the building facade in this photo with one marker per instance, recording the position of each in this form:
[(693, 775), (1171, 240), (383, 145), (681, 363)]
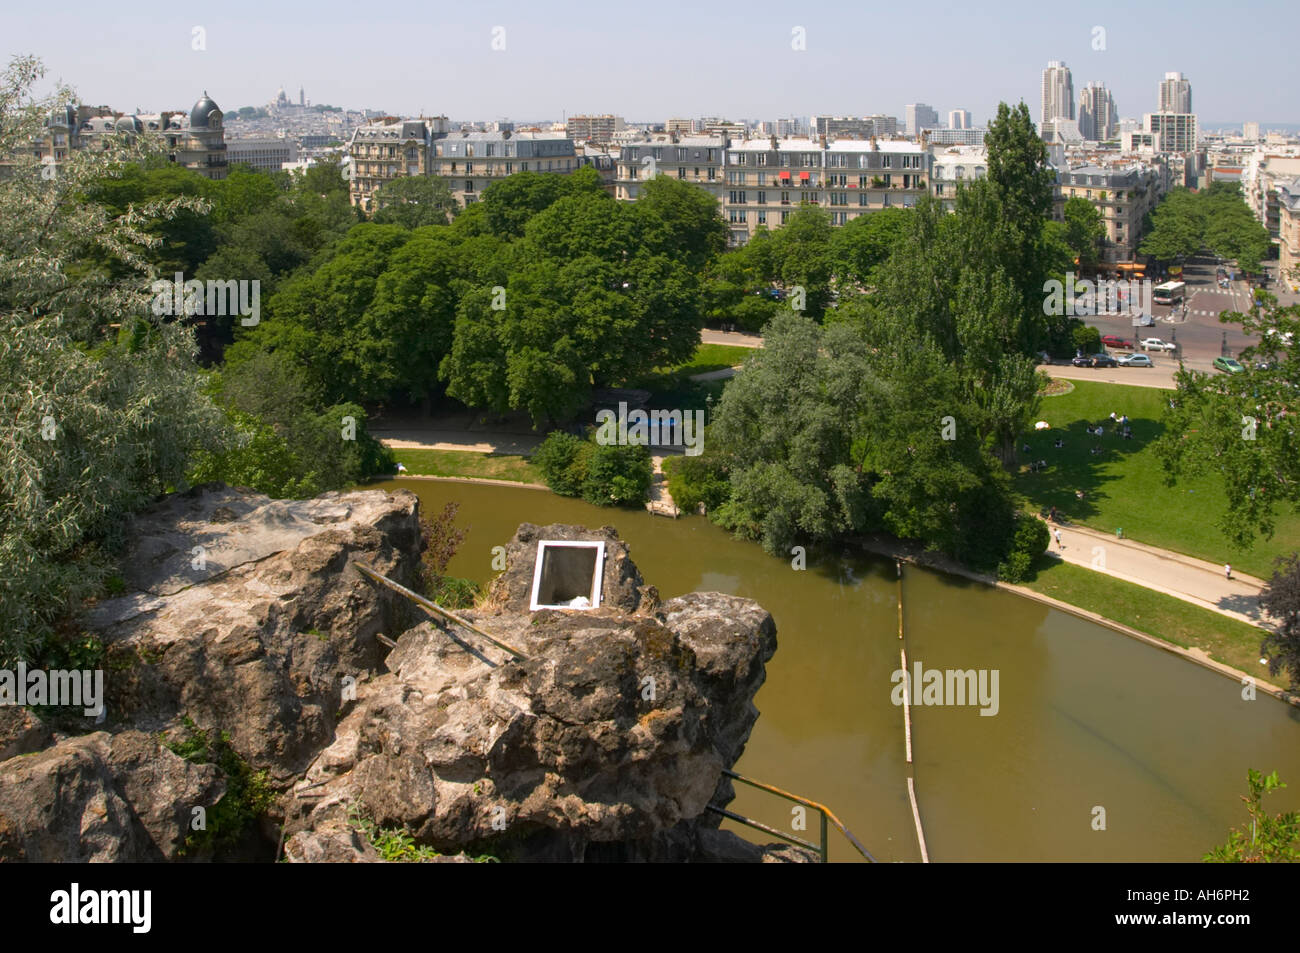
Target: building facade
[(1098, 119), (918, 116), (1175, 94), (594, 128), (695, 159), (1123, 194), (959, 119), (1288, 195), (195, 140), (1175, 132), (266, 154), (1058, 92), (768, 179)]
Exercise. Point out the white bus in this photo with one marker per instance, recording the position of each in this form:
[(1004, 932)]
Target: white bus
[(1171, 292)]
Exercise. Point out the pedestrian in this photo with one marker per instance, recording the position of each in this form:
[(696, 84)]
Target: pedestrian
[(1059, 544), (1052, 515), (1227, 571)]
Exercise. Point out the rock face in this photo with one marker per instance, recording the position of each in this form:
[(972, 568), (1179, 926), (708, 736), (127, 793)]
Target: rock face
[(603, 740), (101, 797), (247, 615), (614, 730)]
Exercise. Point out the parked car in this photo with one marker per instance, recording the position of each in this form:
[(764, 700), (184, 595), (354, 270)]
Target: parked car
[(1155, 344), (1134, 360), (1081, 361), (1228, 366), (1104, 360), (1111, 340)]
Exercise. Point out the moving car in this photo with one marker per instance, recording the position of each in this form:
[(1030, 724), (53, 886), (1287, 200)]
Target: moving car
[(1104, 360), (1111, 340), (1155, 344), (1081, 361), (1134, 360), (1144, 321), (1228, 366)]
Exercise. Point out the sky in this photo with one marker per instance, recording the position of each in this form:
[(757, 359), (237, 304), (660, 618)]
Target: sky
[(652, 61)]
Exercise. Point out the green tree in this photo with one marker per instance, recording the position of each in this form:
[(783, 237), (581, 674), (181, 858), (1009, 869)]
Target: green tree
[(1084, 230), (1269, 839), (413, 201), (1280, 598), (96, 424), (1241, 427)]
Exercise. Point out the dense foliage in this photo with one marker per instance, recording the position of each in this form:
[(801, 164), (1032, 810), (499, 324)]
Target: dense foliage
[(1243, 426), (1280, 598), (603, 474), (1216, 219)]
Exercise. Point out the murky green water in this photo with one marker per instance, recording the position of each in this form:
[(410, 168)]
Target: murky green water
[(1087, 717)]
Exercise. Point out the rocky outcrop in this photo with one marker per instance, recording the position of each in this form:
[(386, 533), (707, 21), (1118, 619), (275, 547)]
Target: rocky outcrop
[(247, 617), (604, 739), (614, 729), (101, 797)]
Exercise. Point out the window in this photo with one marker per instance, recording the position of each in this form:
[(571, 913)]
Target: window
[(510, 168), (742, 198), (785, 200), (681, 155), (711, 171), (938, 188), (862, 198), (762, 158), (469, 168), (838, 218), (785, 217), (863, 181), (567, 575), (884, 161), (887, 183), (525, 167), (762, 198), (488, 149), (697, 173), (681, 172), (762, 218), (469, 185), (785, 160)]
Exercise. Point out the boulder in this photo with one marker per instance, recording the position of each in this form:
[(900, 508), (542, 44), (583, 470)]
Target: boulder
[(101, 797)]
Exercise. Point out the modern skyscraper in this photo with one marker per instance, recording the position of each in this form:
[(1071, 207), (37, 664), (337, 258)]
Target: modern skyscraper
[(918, 116), (1097, 115), (1175, 94), (959, 119), (1058, 92)]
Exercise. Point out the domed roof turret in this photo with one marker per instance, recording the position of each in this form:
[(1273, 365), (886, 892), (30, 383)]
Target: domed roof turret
[(202, 113), (128, 124)]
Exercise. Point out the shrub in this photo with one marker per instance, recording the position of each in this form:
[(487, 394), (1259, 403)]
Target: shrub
[(1028, 542), (562, 459), (617, 475), (697, 480)]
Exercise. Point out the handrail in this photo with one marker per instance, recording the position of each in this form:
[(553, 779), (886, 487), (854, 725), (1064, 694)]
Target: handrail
[(826, 814), (436, 609)]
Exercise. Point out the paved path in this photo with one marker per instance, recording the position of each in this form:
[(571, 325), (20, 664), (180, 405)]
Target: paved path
[(1183, 577), (412, 438)]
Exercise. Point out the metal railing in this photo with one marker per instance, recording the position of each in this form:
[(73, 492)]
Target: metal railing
[(827, 816)]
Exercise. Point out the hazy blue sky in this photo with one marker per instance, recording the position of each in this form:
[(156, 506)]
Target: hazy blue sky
[(653, 60)]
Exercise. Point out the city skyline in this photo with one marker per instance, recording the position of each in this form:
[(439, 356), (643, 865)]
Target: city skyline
[(250, 51)]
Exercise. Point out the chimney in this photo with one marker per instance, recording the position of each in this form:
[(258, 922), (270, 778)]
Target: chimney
[(823, 142), (774, 142)]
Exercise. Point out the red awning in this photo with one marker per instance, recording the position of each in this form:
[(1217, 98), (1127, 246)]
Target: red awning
[(803, 175), (785, 175), (853, 185)]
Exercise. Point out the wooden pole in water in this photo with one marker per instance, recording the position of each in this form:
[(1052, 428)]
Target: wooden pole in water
[(916, 818)]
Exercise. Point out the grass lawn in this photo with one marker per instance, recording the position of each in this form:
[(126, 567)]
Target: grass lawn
[(1124, 484), (467, 463), (708, 357), (1223, 639)]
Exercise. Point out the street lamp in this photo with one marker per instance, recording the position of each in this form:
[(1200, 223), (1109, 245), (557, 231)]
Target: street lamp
[(708, 412)]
